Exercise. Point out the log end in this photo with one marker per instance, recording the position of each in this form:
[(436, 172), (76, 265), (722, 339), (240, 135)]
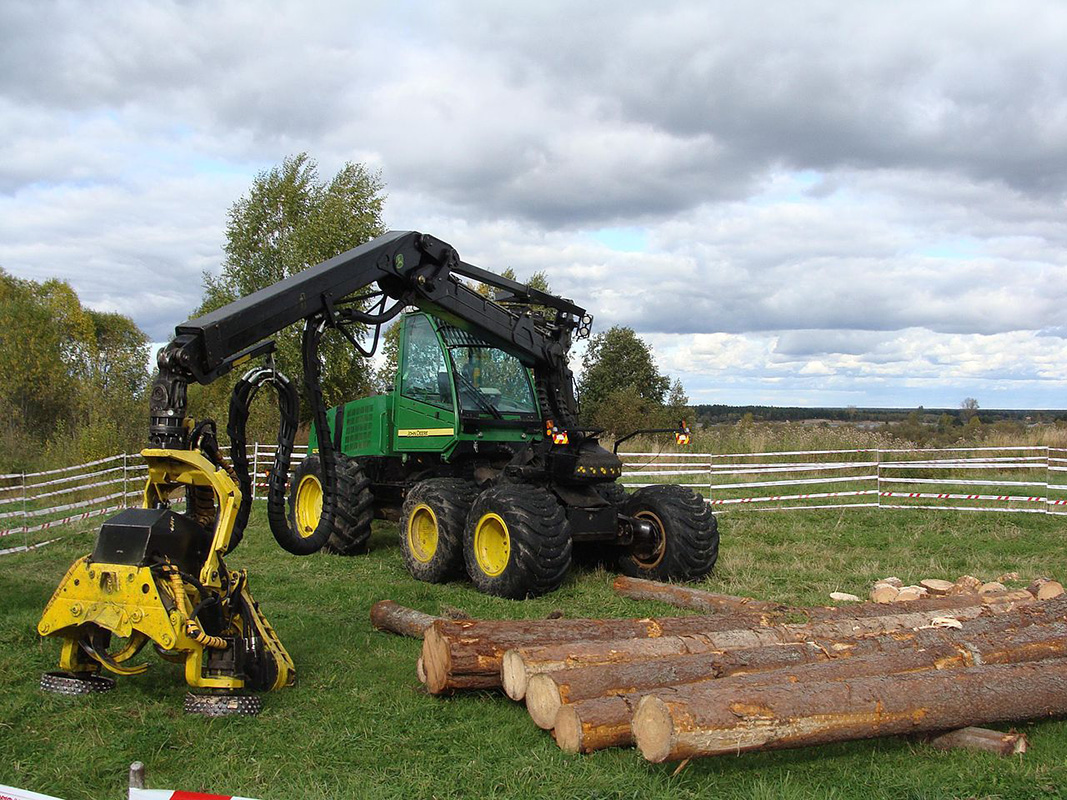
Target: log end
[(543, 700), (513, 676), (420, 670), (567, 728), (653, 729), (436, 661)]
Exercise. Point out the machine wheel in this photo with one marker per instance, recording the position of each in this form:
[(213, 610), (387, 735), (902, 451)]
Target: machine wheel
[(71, 683), (355, 504), (517, 542), (685, 543), (223, 705), (431, 527)]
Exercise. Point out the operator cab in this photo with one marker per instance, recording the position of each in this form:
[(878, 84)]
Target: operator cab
[(454, 370)]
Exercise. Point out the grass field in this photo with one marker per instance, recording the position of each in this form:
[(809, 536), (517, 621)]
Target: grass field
[(358, 725)]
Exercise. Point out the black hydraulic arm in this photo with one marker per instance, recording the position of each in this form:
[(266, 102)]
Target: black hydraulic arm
[(409, 268)]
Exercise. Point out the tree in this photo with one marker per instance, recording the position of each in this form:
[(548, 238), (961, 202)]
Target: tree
[(74, 378), (968, 409), (619, 359), (289, 221)]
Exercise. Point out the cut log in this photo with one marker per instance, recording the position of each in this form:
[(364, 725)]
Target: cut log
[(700, 600), (685, 597), (993, 587), (595, 724), (385, 615), (468, 654), (790, 715), (981, 739), (937, 586), (926, 649), (884, 593), (896, 583), (1013, 598), (521, 663), (844, 597), (910, 594), (1045, 588), (967, 584), (420, 671)]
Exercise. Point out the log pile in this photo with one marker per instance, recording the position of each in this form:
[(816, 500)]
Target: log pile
[(746, 675)]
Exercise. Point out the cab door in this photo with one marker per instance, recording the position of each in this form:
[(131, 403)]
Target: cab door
[(424, 415)]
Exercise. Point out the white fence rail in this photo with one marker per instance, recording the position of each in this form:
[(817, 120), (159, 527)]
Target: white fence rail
[(1006, 479)]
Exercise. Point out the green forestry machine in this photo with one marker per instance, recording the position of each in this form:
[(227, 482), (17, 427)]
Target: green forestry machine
[(476, 451)]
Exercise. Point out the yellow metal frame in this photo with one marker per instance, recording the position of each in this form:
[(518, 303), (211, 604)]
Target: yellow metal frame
[(141, 605)]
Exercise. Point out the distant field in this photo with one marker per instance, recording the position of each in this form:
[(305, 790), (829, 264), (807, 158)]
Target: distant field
[(358, 725)]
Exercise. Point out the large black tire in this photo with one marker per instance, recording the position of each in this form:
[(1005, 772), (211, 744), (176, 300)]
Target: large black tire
[(431, 527), (354, 504), (517, 542), (686, 534)]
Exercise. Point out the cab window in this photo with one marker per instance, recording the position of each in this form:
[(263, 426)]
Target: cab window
[(424, 376)]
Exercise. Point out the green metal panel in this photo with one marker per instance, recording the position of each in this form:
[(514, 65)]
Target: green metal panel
[(365, 427)]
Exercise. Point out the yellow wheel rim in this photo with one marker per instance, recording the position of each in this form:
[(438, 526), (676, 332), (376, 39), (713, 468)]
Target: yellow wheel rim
[(308, 505), (422, 533), (652, 558), (492, 545)]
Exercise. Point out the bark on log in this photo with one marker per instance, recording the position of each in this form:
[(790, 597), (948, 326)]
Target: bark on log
[(998, 643), (385, 615), (521, 664), (980, 739), (468, 654), (700, 600), (685, 597), (607, 724), (774, 717)]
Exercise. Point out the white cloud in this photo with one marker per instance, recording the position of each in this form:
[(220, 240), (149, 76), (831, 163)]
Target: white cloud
[(858, 203)]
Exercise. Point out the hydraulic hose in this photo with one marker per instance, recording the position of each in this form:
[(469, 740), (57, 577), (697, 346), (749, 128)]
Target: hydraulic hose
[(288, 407)]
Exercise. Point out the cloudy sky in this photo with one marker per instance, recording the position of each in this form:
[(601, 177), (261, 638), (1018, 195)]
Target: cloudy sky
[(817, 203)]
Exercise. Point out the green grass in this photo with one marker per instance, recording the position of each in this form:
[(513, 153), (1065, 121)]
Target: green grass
[(358, 725)]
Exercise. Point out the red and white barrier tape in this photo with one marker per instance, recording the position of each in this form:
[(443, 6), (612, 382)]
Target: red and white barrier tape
[(1000, 498), (11, 793), (780, 497), (55, 523), (169, 794)]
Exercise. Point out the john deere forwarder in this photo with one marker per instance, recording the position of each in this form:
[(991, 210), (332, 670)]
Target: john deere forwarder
[(477, 452)]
